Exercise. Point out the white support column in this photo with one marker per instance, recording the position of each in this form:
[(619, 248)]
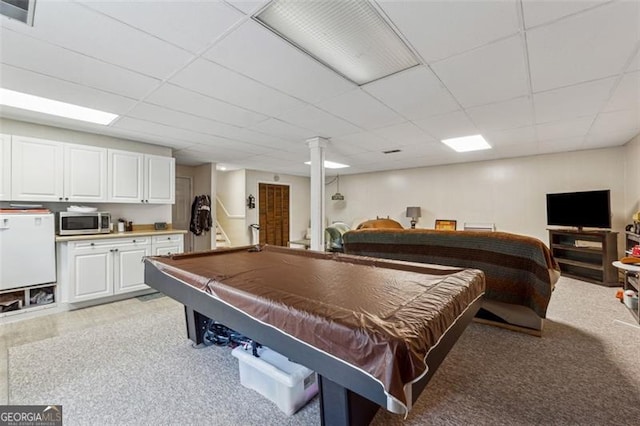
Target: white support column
[(317, 146)]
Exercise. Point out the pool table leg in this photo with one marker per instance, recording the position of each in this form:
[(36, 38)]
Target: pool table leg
[(340, 406), (196, 325)]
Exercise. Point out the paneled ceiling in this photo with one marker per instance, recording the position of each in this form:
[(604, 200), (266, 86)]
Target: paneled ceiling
[(205, 79)]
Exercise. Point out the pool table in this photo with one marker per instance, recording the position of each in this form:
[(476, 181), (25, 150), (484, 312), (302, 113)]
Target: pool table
[(373, 330)]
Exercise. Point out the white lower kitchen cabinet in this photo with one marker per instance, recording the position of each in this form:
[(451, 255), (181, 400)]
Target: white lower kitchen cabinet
[(106, 267), (91, 269)]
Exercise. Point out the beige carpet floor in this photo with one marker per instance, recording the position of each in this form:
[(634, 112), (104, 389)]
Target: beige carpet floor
[(140, 369)]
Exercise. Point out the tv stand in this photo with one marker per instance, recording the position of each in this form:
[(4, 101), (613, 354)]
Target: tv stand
[(586, 255)]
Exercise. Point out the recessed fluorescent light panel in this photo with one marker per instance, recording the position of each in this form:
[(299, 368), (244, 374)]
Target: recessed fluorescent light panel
[(330, 165), (49, 106), (350, 37), (467, 143), (20, 10)]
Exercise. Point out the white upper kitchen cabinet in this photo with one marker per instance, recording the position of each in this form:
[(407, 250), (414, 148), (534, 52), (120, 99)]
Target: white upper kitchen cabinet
[(159, 179), (141, 178), (5, 167), (85, 173), (36, 169), (126, 176)]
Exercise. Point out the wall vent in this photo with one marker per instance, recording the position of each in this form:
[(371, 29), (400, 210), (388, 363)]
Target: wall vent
[(20, 10)]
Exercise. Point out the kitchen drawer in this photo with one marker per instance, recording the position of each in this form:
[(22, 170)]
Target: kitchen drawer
[(167, 238), (85, 244)]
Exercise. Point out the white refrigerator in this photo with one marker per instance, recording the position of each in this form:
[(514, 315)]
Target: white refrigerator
[(27, 249)]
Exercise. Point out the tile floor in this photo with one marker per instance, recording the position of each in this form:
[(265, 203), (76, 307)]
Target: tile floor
[(43, 327)]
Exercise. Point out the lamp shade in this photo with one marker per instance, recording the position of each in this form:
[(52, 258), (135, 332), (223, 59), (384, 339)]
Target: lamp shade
[(413, 212)]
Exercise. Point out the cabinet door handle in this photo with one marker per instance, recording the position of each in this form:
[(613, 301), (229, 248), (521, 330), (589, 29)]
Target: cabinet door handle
[(66, 198), (111, 250), (59, 198), (93, 244), (134, 241), (142, 201), (116, 249)]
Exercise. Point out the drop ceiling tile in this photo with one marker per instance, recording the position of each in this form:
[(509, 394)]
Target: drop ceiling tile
[(573, 101), (210, 79), (320, 122), (213, 156), (627, 94), (190, 25), (503, 115), (610, 138), (279, 128), (194, 103), (516, 150), (276, 63), (439, 29), (561, 145), (78, 28), (404, 134), (345, 149), (160, 130), (589, 46), (519, 136), (361, 109), (180, 120), (32, 54), (617, 121), (564, 129), (450, 125), (492, 73), (247, 6), (415, 93), (538, 12), (367, 141), (20, 80)]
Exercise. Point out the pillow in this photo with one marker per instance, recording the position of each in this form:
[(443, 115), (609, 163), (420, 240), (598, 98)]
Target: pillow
[(380, 223)]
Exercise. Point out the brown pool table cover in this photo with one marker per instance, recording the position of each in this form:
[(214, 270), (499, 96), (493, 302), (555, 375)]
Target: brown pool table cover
[(380, 316)]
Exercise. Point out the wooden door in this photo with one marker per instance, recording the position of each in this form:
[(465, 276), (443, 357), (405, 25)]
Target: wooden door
[(273, 213)]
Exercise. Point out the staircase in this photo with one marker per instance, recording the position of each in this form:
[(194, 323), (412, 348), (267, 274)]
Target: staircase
[(221, 238)]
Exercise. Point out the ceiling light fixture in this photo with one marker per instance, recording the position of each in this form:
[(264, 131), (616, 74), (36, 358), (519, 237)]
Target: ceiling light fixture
[(49, 106), (467, 143), (350, 37), (330, 165), (337, 196)]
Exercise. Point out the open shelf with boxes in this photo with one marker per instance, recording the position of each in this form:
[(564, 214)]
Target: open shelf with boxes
[(586, 255), (20, 300)]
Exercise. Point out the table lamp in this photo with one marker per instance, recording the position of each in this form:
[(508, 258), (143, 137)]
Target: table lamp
[(414, 214)]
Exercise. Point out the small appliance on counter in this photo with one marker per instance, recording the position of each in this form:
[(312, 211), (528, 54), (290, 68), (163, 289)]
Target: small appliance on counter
[(82, 223)]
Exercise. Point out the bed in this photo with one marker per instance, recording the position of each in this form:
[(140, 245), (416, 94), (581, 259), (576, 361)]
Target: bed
[(374, 330), (520, 271)]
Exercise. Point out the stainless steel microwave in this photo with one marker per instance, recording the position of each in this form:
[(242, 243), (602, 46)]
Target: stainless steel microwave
[(76, 223)]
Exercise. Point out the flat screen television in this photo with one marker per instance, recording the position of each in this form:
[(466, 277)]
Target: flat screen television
[(589, 209)]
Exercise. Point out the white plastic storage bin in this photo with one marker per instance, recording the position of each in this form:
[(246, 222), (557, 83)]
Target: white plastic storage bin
[(289, 385)]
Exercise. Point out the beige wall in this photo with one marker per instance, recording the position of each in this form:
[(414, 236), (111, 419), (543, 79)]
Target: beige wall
[(138, 214), (230, 209), (204, 177), (299, 200), (509, 192), (632, 177)]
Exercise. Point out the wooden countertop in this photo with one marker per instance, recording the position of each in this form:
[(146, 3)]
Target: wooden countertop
[(137, 233)]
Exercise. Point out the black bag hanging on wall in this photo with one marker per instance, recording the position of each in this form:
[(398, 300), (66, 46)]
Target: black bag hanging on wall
[(201, 220)]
